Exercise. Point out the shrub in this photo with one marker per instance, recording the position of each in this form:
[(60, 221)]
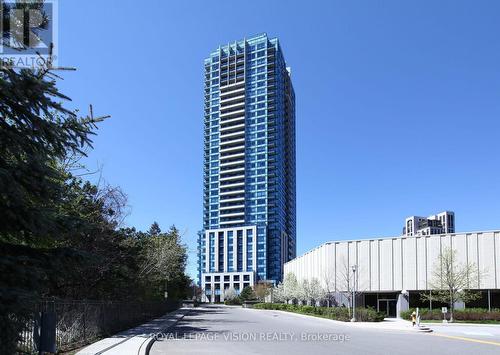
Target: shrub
[(307, 309), (233, 302), (476, 314), (406, 314), (425, 314), (272, 306), (247, 294), (335, 313), (468, 314), (369, 314)]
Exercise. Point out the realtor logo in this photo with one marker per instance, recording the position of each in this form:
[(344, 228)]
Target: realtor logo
[(29, 33)]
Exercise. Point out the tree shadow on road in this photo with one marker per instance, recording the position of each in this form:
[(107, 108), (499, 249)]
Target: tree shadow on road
[(198, 315), (189, 332)]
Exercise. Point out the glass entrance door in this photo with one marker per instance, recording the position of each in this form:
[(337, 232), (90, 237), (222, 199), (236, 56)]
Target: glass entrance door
[(387, 306)]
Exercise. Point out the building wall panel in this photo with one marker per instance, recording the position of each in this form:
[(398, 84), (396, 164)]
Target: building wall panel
[(386, 264), (473, 248), (433, 251), (398, 275), (409, 264), (496, 266), (486, 260), (421, 263), (460, 246), (401, 263), (374, 265), (364, 265)]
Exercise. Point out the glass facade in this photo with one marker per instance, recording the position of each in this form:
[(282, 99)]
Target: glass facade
[(249, 160)]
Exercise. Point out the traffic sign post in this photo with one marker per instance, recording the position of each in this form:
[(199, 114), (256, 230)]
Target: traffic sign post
[(444, 310)]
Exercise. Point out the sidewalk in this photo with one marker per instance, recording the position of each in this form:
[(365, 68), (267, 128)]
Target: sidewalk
[(396, 324), (456, 324), (135, 341), (390, 324), (491, 331)]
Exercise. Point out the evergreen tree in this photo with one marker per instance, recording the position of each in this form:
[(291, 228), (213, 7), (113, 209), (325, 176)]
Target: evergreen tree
[(59, 234), (247, 294), (155, 229)]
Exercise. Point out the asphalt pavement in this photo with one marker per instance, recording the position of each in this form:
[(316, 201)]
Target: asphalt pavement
[(217, 329)]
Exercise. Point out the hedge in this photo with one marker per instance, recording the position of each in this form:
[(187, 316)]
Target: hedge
[(471, 314), (336, 313), (233, 302)]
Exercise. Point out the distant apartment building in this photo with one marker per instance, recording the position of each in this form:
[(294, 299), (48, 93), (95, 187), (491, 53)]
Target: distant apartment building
[(249, 167), (441, 223)]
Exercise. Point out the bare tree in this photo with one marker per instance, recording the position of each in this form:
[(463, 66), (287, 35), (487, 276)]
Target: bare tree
[(197, 291), (345, 283), (114, 202), (329, 281), (262, 289), (164, 255), (451, 281)]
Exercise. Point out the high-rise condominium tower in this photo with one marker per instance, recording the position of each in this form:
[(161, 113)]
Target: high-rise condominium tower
[(249, 167)]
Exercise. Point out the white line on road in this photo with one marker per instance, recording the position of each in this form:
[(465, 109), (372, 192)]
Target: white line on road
[(479, 333)]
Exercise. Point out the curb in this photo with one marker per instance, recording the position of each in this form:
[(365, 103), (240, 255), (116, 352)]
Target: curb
[(150, 341), (462, 324), (148, 347), (138, 344), (422, 329), (359, 325)]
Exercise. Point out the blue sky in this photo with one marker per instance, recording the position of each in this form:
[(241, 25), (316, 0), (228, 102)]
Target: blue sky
[(398, 106)]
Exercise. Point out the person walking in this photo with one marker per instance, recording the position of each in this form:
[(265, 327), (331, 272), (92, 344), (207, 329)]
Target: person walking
[(414, 318)]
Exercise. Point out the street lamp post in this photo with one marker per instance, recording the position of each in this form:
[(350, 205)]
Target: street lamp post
[(353, 293)]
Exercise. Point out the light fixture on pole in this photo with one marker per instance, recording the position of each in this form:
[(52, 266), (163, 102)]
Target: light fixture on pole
[(353, 293)]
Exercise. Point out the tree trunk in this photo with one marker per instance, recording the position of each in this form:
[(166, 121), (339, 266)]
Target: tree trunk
[(451, 306)]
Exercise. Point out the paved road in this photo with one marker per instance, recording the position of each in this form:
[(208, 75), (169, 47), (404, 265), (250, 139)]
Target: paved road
[(476, 331), (231, 330)]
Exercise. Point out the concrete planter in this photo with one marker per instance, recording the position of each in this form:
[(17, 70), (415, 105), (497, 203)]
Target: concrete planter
[(250, 304)]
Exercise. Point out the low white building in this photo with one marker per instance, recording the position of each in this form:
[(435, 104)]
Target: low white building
[(393, 272)]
